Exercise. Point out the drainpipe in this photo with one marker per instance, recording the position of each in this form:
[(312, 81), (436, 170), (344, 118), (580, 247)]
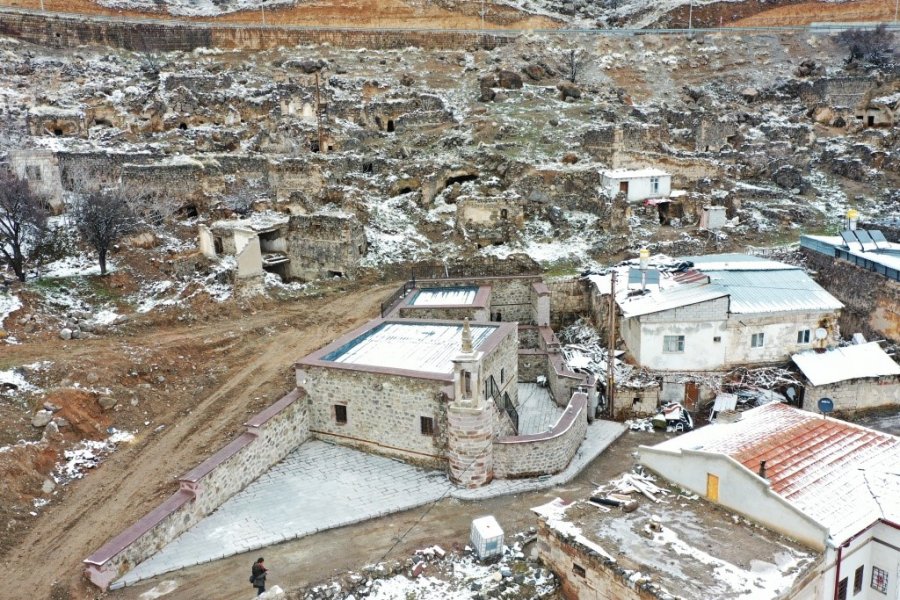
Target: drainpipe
[(837, 569)]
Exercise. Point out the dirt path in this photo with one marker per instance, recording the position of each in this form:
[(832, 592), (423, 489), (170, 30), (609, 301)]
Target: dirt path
[(373, 14), (254, 352)]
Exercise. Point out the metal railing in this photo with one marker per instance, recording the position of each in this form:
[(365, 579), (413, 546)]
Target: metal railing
[(503, 402), (394, 299)]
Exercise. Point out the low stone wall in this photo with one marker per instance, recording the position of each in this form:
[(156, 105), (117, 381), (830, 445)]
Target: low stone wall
[(532, 364), (155, 35), (544, 453), (445, 313), (270, 436)]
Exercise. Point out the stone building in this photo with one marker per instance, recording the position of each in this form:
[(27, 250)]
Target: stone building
[(487, 221), (295, 247), (41, 169), (855, 377), (56, 121)]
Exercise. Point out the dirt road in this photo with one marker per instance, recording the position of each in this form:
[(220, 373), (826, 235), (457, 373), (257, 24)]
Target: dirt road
[(218, 374)]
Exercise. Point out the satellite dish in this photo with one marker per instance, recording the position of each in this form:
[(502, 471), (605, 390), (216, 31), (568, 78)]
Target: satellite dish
[(826, 405), (821, 333)]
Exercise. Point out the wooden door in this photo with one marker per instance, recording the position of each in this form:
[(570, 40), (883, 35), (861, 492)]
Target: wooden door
[(712, 487)]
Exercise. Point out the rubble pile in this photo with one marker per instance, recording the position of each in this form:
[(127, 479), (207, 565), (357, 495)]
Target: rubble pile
[(435, 574)]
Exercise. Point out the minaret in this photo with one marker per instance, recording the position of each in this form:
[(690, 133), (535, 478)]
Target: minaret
[(470, 420), (467, 383)]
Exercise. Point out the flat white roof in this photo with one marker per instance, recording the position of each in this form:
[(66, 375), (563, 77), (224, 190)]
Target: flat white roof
[(634, 174), (842, 364), (410, 346), (445, 296)]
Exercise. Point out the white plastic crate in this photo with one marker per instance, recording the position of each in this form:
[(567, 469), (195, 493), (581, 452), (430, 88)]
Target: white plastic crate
[(486, 537)]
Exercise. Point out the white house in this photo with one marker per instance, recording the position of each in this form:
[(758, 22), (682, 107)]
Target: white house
[(637, 185), (728, 310), (856, 377), (831, 485)]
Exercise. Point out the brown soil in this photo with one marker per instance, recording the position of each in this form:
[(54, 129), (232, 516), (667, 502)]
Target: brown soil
[(374, 14), (184, 386), (815, 12)]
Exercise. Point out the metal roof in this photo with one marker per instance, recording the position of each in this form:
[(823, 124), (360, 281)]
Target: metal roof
[(735, 262), (842, 364), (447, 296), (840, 474), (670, 298), (766, 291)]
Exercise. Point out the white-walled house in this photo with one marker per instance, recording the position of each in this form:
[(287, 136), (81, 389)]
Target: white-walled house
[(729, 310), (826, 483), (637, 185)]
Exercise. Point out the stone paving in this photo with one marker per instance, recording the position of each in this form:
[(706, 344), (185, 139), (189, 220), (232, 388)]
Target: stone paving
[(323, 486), (537, 410)]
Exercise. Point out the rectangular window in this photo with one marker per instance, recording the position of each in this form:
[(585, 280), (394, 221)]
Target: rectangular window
[(426, 425), (502, 375), (340, 414), (858, 579), (33, 172), (578, 570), (842, 589), (803, 336), (879, 580), (758, 340), (673, 343), (654, 185)]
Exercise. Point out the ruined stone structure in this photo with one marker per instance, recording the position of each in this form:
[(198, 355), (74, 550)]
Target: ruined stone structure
[(41, 169)]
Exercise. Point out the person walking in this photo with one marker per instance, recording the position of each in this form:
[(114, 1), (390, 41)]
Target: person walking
[(258, 576)]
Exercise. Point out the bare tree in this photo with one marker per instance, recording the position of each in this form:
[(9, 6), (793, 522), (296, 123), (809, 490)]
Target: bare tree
[(574, 59), (873, 46), (23, 222), (102, 218)]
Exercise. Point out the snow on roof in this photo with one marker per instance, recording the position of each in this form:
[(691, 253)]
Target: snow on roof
[(735, 262), (839, 474), (255, 222), (769, 291), (423, 347), (634, 174), (842, 364), (448, 296), (667, 299)]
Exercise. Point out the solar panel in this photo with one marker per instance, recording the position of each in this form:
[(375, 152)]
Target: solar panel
[(652, 276), (878, 237), (865, 239), (850, 240)]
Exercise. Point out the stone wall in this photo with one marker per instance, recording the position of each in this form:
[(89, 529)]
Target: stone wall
[(532, 364), (445, 313), (324, 245), (143, 35), (871, 301), (510, 296), (41, 169), (383, 412), (855, 395), (545, 453), (569, 301), (270, 436), (585, 573)]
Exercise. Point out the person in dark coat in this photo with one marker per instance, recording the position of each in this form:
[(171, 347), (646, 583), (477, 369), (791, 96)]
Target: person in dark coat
[(258, 576)]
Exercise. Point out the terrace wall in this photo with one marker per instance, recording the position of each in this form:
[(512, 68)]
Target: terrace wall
[(269, 437), (545, 453)]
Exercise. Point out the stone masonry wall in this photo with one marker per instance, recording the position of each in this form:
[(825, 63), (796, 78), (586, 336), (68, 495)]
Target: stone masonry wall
[(271, 435), (163, 36), (532, 364), (503, 365), (871, 301), (470, 447), (603, 578), (319, 244), (858, 394), (511, 296), (383, 412), (447, 313), (551, 452), (569, 300)]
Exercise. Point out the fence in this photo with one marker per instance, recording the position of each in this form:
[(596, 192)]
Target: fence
[(503, 402), (394, 299)]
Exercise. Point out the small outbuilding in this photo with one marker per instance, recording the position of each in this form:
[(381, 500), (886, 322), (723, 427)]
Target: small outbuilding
[(856, 377), (637, 185)]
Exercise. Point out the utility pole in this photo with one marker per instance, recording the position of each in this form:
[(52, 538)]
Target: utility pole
[(319, 115), (691, 15), (611, 357)]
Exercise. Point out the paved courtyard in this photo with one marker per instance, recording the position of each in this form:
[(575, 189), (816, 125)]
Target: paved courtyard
[(323, 486), (537, 410)]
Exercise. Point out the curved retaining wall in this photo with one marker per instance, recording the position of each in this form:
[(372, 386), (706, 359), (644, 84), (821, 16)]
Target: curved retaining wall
[(143, 35), (271, 435), (544, 453)]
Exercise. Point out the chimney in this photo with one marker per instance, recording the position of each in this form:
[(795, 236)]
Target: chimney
[(762, 469)]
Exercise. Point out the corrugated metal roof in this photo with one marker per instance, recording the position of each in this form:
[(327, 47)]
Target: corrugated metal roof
[(840, 474), (735, 262), (666, 299), (769, 291), (850, 362)]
